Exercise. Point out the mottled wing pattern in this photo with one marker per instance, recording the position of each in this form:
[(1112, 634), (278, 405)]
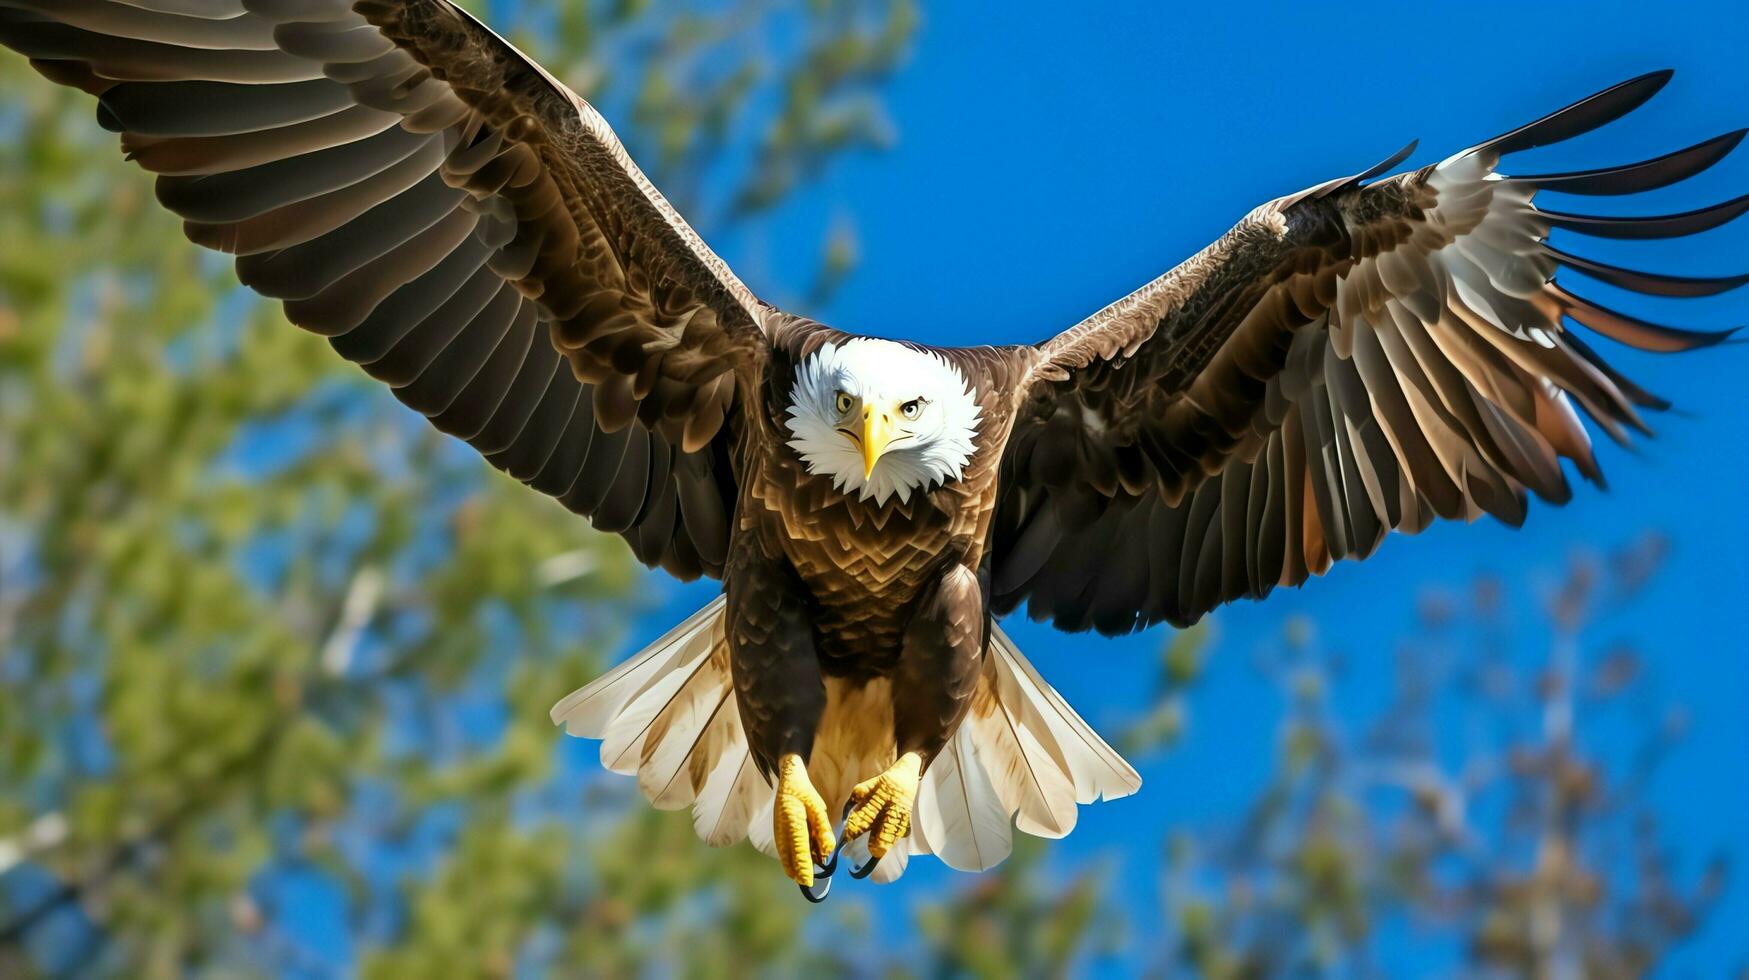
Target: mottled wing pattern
[(454, 220), (1357, 358)]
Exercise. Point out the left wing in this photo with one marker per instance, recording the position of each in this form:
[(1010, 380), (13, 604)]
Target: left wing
[(456, 221), (1347, 361)]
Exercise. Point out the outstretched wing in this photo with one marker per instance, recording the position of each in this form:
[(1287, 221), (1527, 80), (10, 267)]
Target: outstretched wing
[(456, 221), (1357, 358)]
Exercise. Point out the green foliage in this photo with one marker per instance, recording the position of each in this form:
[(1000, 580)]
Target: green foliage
[(1535, 857), (1016, 922)]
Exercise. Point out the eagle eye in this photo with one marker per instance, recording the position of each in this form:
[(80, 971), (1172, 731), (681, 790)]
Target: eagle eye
[(844, 403), (912, 408)]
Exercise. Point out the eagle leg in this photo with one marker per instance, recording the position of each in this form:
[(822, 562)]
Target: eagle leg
[(781, 695), (933, 685), (881, 807), (803, 829)]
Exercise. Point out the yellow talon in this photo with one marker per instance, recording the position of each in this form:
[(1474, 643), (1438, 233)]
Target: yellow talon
[(881, 807), (801, 827)]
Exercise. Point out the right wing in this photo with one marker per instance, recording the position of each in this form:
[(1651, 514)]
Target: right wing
[(1351, 360), (455, 220)]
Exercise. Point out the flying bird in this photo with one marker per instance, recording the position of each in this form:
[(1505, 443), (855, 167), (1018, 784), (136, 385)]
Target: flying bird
[(1368, 355)]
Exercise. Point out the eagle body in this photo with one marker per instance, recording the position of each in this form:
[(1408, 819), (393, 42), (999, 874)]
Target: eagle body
[(866, 564), (888, 595), (1367, 356)]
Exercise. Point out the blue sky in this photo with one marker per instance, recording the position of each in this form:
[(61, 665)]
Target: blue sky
[(1047, 163)]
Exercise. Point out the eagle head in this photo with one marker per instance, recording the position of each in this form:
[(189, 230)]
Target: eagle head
[(882, 418)]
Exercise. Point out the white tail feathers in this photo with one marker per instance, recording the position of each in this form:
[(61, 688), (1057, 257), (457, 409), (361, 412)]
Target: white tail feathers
[(1095, 768), (1022, 759), (588, 711), (668, 715), (1022, 755)]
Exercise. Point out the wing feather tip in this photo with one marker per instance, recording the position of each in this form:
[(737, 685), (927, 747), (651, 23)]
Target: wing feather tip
[(1595, 110)]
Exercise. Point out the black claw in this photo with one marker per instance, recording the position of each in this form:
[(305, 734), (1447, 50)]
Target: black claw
[(822, 881), (824, 886), (823, 872), (863, 871)]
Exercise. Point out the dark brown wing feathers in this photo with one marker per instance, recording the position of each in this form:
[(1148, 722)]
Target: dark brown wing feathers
[(1358, 358), (454, 219), (1351, 360)]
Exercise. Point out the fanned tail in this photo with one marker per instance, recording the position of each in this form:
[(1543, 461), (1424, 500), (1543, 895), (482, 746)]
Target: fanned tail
[(1095, 769), (1023, 759), (1022, 756), (588, 711), (668, 715), (960, 818)]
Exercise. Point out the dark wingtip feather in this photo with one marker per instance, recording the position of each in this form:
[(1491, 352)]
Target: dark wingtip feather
[(1387, 163), (1650, 226), (1643, 176), (1636, 394), (1582, 116), (1338, 186), (1634, 331), (1649, 283)]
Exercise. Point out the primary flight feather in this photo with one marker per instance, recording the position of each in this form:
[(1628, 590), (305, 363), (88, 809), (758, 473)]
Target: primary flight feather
[(1362, 357)]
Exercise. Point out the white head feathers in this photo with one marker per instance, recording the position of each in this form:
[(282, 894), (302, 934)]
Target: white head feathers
[(881, 418)]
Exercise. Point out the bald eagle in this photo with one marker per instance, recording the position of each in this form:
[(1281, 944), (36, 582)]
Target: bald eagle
[(1364, 356)]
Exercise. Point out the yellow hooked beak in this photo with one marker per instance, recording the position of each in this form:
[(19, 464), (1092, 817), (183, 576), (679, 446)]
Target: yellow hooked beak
[(877, 431)]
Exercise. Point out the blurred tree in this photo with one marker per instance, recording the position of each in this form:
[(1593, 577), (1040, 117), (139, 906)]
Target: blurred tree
[(1470, 810), (275, 657), (1182, 658), (1016, 921)]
